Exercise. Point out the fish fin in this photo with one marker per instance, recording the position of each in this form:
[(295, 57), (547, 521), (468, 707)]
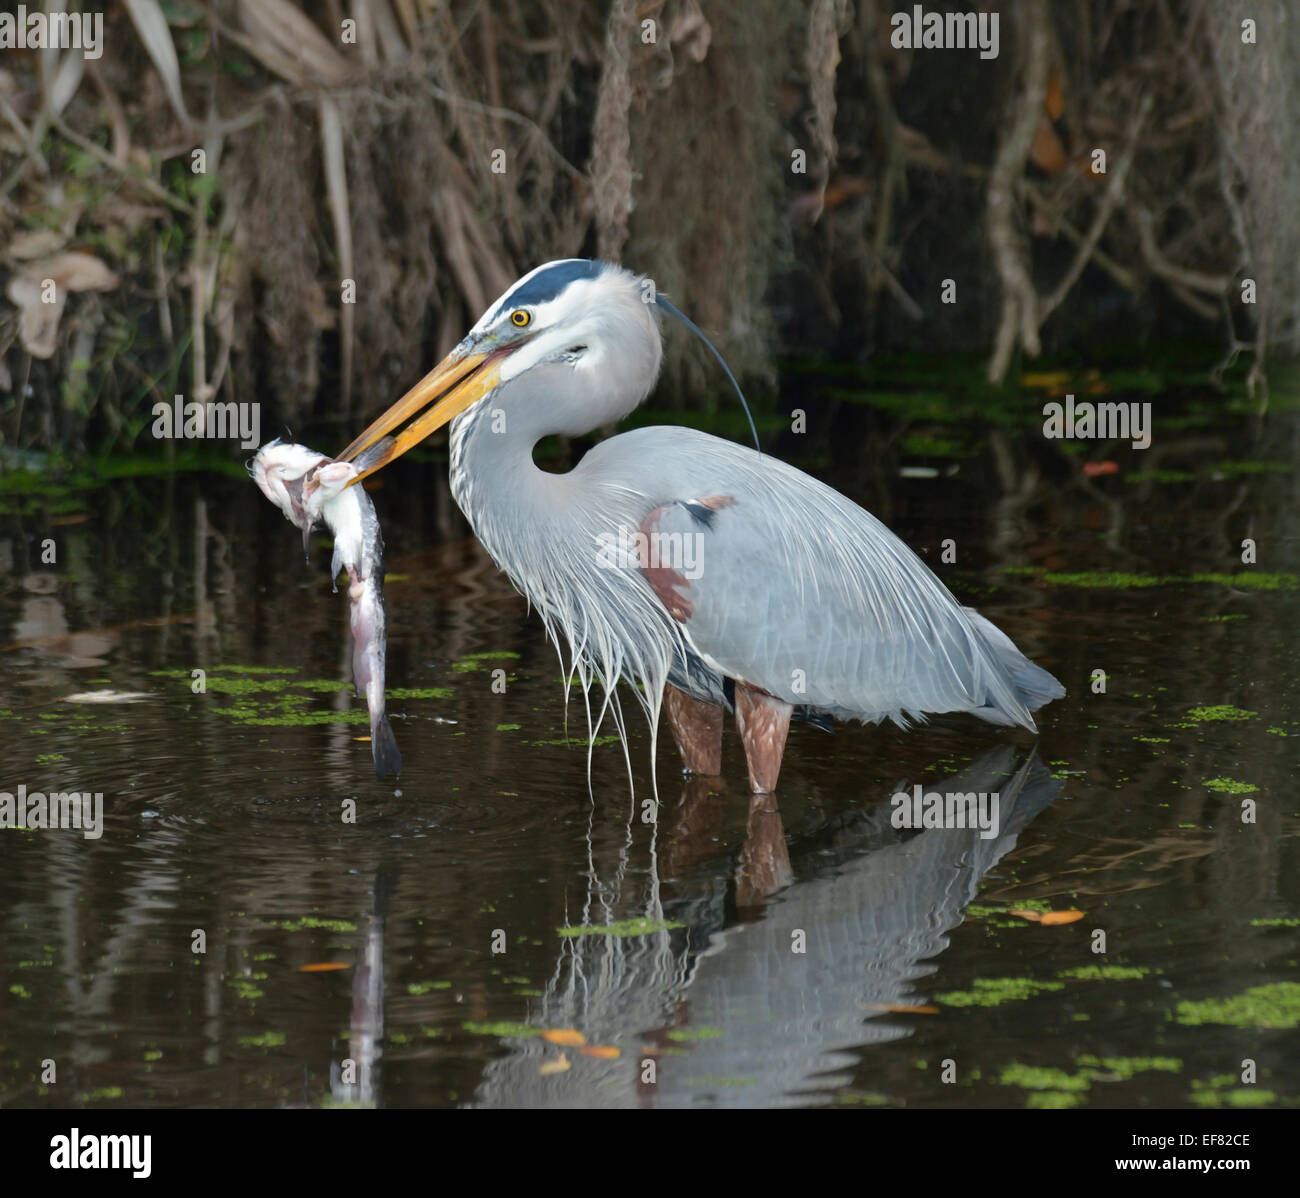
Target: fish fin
[(383, 746)]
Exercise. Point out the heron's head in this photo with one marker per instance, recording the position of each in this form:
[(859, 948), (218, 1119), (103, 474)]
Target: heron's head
[(584, 333)]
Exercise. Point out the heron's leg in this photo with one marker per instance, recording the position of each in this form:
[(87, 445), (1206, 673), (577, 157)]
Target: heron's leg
[(763, 721), (697, 729)]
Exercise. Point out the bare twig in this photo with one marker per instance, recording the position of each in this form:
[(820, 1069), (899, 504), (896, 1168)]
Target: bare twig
[(893, 177), (1109, 202), (30, 143), (1121, 274), (116, 114), (821, 59), (611, 157), (336, 182), (515, 118), (1192, 280), (139, 178), (1018, 324)]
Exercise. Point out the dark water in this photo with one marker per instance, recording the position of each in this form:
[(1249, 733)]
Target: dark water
[(224, 813)]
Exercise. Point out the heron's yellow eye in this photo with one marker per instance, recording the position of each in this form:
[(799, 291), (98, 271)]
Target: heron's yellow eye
[(519, 318)]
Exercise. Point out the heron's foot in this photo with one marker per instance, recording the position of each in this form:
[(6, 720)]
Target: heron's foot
[(688, 773)]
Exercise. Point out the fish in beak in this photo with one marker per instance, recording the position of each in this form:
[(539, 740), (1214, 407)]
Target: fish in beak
[(458, 382), (309, 489)]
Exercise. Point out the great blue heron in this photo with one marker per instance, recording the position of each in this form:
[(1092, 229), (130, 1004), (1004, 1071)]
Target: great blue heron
[(710, 576)]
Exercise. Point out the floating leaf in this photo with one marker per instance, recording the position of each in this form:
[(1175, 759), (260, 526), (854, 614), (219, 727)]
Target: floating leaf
[(640, 926), (602, 1052), (1058, 917), (106, 697), (1026, 913), (559, 1065), (1229, 786), (324, 966), (902, 1008), (502, 1027), (1045, 379), (567, 1036)]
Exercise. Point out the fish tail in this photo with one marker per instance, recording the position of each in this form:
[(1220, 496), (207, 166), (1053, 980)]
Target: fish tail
[(383, 745)]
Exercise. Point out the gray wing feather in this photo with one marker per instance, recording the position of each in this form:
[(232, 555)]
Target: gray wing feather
[(808, 596)]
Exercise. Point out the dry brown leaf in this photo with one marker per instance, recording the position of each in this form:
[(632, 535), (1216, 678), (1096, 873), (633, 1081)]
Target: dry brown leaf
[(1054, 101), (1026, 913), (323, 966), (128, 214), (1047, 153), (559, 1065), (902, 1008), (388, 33), (288, 43), (76, 271), (38, 322), (410, 23), (151, 25), (36, 243), (567, 1036), (690, 31), (1045, 378), (367, 42), (844, 189), (40, 312), (64, 81)]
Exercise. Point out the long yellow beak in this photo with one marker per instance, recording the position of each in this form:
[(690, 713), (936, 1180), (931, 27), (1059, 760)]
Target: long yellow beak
[(460, 379)]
